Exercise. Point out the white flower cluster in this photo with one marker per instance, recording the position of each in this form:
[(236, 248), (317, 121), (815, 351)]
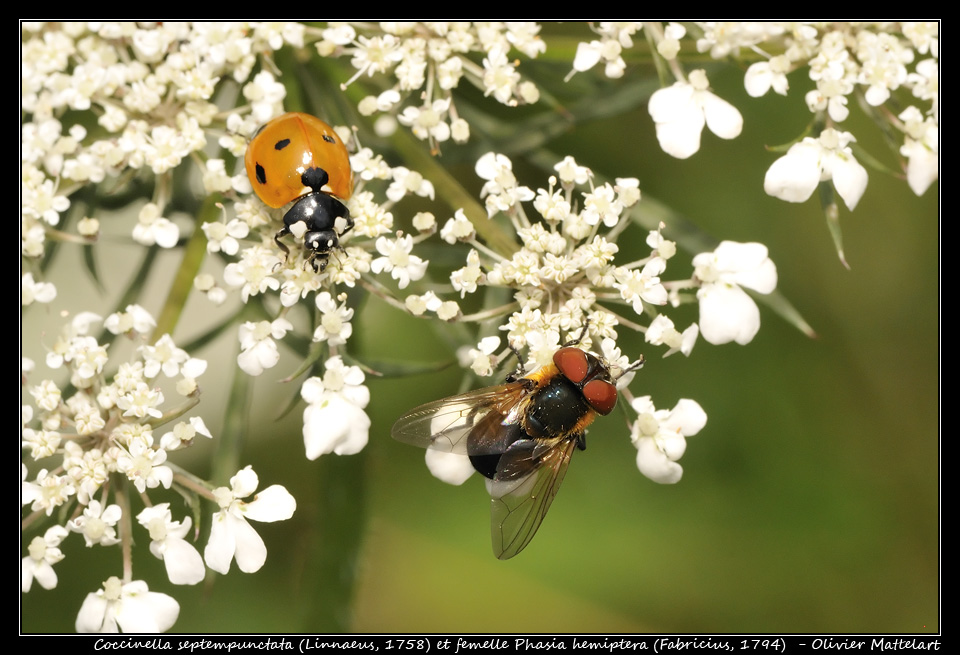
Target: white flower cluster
[(868, 61), (105, 429), (150, 88), (564, 275), (429, 60)]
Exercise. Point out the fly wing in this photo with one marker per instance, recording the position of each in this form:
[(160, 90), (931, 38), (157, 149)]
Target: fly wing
[(527, 479), (444, 424)]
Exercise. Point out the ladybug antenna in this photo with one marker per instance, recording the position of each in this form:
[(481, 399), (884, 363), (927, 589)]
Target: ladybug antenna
[(314, 178)]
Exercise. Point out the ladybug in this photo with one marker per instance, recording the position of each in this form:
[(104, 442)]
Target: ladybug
[(298, 158)]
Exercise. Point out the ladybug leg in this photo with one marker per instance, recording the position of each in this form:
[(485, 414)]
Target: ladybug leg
[(276, 237)]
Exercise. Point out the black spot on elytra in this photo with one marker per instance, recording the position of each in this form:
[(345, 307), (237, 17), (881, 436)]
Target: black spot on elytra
[(261, 175), (329, 139), (280, 145)]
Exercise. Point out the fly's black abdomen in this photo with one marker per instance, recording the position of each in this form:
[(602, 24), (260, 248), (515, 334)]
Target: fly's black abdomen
[(485, 461)]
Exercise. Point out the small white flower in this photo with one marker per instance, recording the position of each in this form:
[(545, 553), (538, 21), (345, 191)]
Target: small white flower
[(660, 436), (418, 305), (637, 287), (727, 313), (601, 205), (628, 190), (215, 178), (921, 147), (500, 77), (765, 75), (258, 348), (47, 395), (334, 420), (183, 562), (144, 466), (42, 443), (96, 524), (183, 434), (923, 164), (43, 202), (680, 112), (479, 359), (571, 173), (398, 261), (501, 191), (130, 607), (223, 237), (153, 228), (230, 534), (466, 279), (428, 121), (795, 176), (48, 492), (335, 327), (164, 356), (31, 292), (541, 346), (254, 272), (590, 54), (134, 319), (141, 401), (44, 552), (460, 130), (407, 182), (669, 47), (458, 228), (663, 332)]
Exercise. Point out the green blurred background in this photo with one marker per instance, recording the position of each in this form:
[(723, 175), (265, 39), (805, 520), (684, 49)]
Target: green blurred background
[(809, 503)]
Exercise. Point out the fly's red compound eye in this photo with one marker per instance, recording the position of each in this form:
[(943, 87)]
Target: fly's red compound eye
[(572, 362), (601, 395)]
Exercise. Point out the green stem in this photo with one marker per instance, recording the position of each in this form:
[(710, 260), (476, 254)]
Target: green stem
[(336, 549), (226, 461), (193, 256)]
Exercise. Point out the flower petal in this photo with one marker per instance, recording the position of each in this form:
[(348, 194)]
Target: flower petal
[(723, 119), (727, 314), (678, 118), (148, 612), (251, 551), (795, 176), (687, 417), (274, 503), (92, 615), (850, 178), (183, 562), (221, 546), (656, 465), (451, 468), (747, 264)]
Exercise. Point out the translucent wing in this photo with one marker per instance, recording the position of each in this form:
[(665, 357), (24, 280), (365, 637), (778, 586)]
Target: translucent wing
[(527, 479), (444, 424)]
